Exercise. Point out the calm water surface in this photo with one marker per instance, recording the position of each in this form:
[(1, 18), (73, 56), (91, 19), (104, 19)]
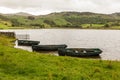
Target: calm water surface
[(106, 40)]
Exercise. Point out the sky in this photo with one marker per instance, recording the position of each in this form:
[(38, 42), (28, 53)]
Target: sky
[(41, 7)]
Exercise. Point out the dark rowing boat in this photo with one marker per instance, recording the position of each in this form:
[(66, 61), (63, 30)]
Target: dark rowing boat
[(79, 52), (47, 47), (28, 42)]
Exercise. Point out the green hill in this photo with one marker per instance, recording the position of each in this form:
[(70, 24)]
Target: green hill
[(64, 20)]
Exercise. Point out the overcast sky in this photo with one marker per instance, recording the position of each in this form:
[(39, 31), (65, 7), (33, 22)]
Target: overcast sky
[(47, 6)]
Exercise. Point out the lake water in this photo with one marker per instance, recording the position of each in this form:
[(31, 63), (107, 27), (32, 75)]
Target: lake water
[(106, 40)]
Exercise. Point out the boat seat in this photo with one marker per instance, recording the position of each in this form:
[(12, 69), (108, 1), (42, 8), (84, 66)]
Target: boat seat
[(84, 51), (76, 51)]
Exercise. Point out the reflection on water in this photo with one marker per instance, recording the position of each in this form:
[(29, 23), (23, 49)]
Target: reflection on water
[(106, 40)]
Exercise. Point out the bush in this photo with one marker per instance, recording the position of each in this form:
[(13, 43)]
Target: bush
[(106, 25)]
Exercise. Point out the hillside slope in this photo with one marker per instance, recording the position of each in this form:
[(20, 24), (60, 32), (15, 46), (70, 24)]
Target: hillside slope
[(64, 20), (17, 64)]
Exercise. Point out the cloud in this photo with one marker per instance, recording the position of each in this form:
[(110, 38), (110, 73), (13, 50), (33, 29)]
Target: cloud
[(8, 10), (47, 6)]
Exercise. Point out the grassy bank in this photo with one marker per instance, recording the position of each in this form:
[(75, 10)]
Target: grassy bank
[(17, 64)]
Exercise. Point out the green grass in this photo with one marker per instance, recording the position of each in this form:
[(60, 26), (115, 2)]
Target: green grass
[(92, 26), (115, 27), (17, 64), (4, 24)]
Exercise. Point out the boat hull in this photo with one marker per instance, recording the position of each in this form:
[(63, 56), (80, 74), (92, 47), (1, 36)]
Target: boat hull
[(79, 52), (28, 42), (47, 47)]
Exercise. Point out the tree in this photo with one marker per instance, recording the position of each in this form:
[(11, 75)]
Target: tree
[(15, 22), (31, 17), (106, 25), (50, 22), (37, 25)]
